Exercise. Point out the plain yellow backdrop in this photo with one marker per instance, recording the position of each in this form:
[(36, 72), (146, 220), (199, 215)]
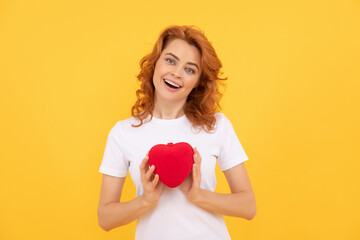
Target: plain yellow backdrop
[(67, 71)]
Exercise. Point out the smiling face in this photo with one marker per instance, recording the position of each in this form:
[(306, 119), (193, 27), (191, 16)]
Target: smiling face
[(177, 72)]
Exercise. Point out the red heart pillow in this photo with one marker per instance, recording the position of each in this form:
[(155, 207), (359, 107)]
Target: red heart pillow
[(173, 162)]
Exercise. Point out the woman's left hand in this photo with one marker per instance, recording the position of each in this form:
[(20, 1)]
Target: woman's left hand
[(191, 185)]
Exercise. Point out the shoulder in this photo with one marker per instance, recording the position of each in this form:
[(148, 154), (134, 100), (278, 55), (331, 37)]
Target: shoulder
[(223, 123), (220, 118)]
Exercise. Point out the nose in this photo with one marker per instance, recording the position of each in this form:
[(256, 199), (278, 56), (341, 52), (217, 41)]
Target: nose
[(177, 71)]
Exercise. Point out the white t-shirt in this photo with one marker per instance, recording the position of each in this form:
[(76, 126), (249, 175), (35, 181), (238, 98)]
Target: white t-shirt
[(174, 217)]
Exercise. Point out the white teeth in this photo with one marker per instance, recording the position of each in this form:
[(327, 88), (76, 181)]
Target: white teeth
[(171, 83)]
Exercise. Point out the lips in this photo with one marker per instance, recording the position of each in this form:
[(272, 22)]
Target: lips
[(171, 83)]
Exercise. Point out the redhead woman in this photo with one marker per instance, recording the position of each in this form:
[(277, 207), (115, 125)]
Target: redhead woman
[(178, 101)]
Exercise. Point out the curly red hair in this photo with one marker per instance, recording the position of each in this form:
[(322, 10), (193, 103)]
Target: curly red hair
[(203, 101)]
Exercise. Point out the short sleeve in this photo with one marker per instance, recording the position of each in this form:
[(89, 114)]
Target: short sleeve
[(113, 162), (231, 152)]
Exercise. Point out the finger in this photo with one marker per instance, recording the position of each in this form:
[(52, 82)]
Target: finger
[(149, 173), (196, 158), (143, 164), (199, 172), (196, 175), (198, 155), (194, 172), (156, 180)]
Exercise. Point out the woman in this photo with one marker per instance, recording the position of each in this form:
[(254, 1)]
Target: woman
[(177, 102)]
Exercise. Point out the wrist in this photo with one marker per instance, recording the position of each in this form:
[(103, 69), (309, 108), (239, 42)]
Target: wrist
[(146, 203), (196, 198)]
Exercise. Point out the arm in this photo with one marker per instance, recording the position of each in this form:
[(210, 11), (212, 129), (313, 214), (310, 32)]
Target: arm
[(239, 203), (112, 213)]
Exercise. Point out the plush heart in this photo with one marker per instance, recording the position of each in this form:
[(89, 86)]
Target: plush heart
[(173, 162)]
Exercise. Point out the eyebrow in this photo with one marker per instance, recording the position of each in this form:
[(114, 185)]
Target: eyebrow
[(179, 59)]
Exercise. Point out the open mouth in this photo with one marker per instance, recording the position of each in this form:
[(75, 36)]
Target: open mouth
[(171, 84)]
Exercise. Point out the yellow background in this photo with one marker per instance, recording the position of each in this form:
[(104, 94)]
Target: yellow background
[(67, 71)]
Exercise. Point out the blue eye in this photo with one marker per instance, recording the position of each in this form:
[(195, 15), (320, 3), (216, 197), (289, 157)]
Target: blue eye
[(189, 70), (170, 60)]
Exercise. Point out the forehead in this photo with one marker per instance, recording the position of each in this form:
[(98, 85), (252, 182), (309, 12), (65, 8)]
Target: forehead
[(183, 50)]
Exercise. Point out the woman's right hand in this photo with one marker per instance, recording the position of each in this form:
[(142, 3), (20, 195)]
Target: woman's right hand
[(151, 184)]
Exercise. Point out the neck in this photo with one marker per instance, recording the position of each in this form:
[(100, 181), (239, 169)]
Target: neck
[(168, 110)]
